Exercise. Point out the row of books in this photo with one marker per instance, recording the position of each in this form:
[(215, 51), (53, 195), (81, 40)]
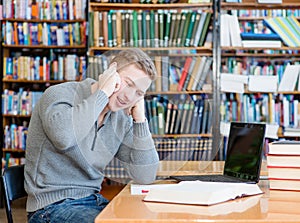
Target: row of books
[(266, 12), (184, 149), (252, 108), (256, 66), (283, 162), (53, 34), (65, 67), (268, 33), (44, 9), (15, 137), (283, 109), (19, 103), (174, 73), (9, 160), (151, 1), (179, 115), (181, 74), (161, 28)]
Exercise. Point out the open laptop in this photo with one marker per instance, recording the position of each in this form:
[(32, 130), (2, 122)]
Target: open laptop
[(244, 155)]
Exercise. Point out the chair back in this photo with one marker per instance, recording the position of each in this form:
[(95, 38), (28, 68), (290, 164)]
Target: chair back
[(13, 187)]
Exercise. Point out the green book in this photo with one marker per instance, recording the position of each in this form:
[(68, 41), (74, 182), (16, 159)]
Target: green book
[(144, 29), (148, 38), (109, 29), (177, 26), (190, 29), (161, 118), (185, 28), (124, 29), (161, 27), (140, 34), (204, 30), (167, 28), (181, 28), (130, 31), (135, 31), (152, 28), (172, 28), (197, 19), (114, 28), (156, 27), (91, 28)]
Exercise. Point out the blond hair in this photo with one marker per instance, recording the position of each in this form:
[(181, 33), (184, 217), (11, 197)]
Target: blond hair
[(137, 57)]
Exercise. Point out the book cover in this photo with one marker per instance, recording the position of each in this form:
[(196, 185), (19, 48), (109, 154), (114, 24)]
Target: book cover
[(284, 172), (260, 36), (184, 73), (197, 19), (283, 160), (205, 74), (284, 184), (205, 28), (276, 27), (201, 193), (197, 69), (200, 28), (284, 147)]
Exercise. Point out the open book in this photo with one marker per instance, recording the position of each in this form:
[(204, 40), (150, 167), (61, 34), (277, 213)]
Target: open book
[(201, 193)]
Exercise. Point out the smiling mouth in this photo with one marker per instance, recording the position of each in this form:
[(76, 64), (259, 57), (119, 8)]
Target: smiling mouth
[(121, 102)]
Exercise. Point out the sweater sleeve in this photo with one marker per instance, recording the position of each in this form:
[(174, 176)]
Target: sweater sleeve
[(66, 116), (138, 154)]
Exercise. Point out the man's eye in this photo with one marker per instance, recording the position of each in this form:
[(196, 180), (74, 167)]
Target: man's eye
[(129, 84), (140, 94)]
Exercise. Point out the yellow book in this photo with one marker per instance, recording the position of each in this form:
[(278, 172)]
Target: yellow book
[(71, 34)]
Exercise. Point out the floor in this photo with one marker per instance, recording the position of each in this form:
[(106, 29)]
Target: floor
[(19, 212)]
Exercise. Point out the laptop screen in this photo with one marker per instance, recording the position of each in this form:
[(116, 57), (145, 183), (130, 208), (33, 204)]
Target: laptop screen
[(244, 150)]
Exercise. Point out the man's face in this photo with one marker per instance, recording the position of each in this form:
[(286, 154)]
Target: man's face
[(134, 83)]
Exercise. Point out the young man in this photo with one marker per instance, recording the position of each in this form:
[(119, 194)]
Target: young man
[(77, 128)]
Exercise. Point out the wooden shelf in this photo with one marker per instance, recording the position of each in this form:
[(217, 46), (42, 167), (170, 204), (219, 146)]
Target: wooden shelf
[(14, 150), (182, 135), (33, 81), (137, 6), (252, 4), (257, 54), (236, 48), (177, 92), (43, 20), (203, 48), (15, 116), (44, 47)]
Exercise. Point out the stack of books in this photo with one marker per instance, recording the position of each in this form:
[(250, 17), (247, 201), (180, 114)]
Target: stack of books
[(283, 161)]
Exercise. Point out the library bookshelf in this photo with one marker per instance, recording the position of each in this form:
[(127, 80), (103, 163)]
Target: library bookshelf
[(260, 105), (154, 29), (40, 47)]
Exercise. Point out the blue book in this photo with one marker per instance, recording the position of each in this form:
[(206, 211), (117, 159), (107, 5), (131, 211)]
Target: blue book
[(260, 36)]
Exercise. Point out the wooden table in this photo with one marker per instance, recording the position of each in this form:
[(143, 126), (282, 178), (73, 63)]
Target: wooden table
[(272, 206)]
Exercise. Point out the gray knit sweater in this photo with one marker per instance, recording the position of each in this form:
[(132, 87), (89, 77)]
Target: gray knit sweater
[(67, 151)]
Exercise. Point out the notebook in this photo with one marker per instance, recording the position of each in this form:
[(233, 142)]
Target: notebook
[(244, 155)]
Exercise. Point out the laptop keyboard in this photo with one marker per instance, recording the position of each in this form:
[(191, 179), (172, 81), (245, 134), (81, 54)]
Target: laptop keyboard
[(210, 178)]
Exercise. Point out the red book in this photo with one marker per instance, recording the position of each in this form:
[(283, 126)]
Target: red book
[(184, 73)]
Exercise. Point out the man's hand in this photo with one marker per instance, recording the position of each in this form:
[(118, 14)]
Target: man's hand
[(138, 111), (109, 81)]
